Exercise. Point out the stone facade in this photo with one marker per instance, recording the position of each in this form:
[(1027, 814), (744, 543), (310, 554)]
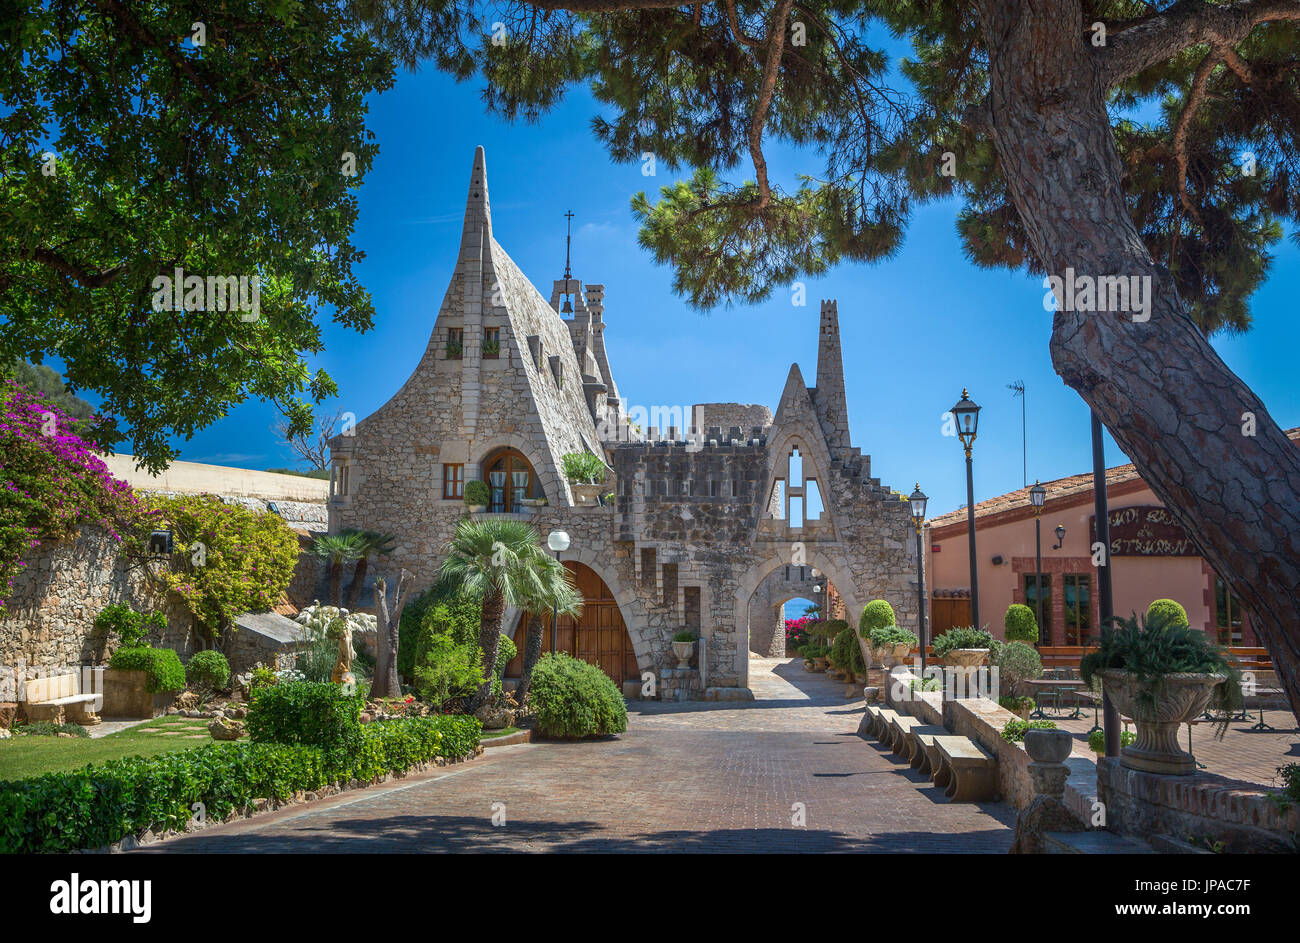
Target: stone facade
[(700, 518)]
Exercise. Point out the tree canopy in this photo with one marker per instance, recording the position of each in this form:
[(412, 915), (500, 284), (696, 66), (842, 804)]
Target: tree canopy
[(138, 138)]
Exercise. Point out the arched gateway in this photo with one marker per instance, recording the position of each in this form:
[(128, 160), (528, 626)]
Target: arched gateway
[(699, 504)]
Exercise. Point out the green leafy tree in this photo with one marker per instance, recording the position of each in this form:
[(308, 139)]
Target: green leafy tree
[(1153, 140), (133, 143), (498, 560)]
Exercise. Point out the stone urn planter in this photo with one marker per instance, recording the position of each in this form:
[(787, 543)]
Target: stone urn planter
[(588, 496), (893, 655), (1048, 746), (683, 651), (966, 657), (1159, 707)]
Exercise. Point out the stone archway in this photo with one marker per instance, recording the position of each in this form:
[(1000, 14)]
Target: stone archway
[(815, 557)]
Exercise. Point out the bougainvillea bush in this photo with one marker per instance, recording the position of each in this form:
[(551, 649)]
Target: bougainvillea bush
[(50, 482), (226, 559), (798, 632)]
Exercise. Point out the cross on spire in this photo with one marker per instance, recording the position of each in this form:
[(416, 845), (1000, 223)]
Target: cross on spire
[(568, 238)]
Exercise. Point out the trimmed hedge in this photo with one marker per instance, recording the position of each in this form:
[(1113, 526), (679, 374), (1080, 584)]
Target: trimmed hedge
[(846, 653), (875, 615), (161, 665), (1165, 613), (315, 714), (575, 699), (99, 805)]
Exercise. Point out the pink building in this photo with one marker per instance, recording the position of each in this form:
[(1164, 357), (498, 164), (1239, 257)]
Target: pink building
[(1151, 557)]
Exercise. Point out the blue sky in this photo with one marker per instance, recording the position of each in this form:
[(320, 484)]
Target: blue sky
[(915, 329)]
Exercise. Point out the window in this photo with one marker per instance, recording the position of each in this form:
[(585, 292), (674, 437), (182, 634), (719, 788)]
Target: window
[(455, 342), (511, 480), (1077, 589), (1229, 615), (491, 343), (1031, 600), (343, 480), (453, 481)]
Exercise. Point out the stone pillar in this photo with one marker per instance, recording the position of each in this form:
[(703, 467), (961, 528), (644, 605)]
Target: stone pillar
[(1047, 812)]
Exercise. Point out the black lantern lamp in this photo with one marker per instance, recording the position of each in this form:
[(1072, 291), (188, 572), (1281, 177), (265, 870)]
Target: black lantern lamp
[(967, 415), (918, 499), (160, 543), (1060, 536)]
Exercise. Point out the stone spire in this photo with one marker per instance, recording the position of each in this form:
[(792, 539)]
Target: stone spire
[(478, 214), (832, 408), (474, 262)]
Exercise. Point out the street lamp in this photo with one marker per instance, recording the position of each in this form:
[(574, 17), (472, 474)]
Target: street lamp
[(558, 541), (918, 499), (967, 415), (1037, 496), (1060, 536)]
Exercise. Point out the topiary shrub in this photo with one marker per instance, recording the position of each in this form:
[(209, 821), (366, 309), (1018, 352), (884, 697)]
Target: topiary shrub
[(575, 699), (846, 653), (208, 669), (1164, 614), (307, 713), (1016, 663), (1020, 624), (477, 494), (875, 615), (162, 667)]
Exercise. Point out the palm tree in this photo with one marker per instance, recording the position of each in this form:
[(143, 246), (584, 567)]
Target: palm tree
[(499, 560), (550, 590), (337, 549), (371, 542)]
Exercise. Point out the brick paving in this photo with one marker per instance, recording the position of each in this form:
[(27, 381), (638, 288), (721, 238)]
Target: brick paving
[(714, 777)]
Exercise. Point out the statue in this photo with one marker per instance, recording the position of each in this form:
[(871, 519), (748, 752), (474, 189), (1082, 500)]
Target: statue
[(343, 667)]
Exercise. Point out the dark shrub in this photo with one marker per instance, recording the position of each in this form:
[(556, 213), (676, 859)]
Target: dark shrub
[(575, 699), (435, 613), (161, 665), (846, 654), (129, 626), (312, 714), (208, 669)]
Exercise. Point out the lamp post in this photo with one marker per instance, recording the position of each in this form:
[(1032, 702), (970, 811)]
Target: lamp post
[(918, 499), (967, 415), (558, 541), (1037, 496)]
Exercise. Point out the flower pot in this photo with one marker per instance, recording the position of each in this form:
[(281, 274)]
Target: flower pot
[(966, 657), (892, 655), (1048, 746), (1159, 706), (683, 651), (587, 495)]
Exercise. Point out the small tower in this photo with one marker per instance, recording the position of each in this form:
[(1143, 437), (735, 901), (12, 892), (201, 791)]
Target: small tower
[(828, 397)]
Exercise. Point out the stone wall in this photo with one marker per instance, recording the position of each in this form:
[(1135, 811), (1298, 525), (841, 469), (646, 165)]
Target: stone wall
[(726, 415)]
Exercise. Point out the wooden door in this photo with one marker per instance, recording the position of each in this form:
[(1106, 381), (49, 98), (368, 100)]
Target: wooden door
[(599, 636), (947, 612)]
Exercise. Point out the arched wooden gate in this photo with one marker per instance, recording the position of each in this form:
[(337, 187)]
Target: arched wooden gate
[(599, 636)]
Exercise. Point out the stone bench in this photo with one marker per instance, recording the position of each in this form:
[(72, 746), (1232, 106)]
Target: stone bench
[(900, 732), (876, 720), (58, 699), (919, 739), (969, 773)]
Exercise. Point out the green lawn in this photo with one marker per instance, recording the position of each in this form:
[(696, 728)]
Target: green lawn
[(21, 757), (493, 734)]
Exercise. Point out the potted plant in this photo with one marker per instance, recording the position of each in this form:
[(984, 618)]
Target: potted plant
[(892, 644), (454, 350), (684, 648), (1097, 739), (1162, 674), (964, 647), (876, 614), (1020, 706), (586, 473), (477, 496)]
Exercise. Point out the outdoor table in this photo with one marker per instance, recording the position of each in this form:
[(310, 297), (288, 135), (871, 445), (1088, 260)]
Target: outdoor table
[(1056, 687)]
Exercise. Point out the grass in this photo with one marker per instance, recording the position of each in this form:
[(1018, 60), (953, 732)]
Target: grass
[(23, 757), (503, 732)]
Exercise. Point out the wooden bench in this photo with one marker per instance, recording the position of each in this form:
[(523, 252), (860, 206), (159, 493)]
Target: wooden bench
[(969, 772), (1252, 659), (917, 742), (58, 699), (900, 731)]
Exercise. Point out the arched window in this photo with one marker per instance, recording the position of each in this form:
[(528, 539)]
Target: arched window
[(510, 479)]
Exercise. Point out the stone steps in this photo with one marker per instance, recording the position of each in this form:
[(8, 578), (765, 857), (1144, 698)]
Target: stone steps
[(1095, 842)]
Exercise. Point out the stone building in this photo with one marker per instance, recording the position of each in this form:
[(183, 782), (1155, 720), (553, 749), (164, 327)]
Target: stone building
[(703, 521)]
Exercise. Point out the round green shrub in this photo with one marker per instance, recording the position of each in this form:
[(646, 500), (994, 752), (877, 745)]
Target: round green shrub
[(477, 494), (1165, 613), (875, 615), (574, 699), (1017, 662), (1020, 624), (208, 669), (846, 653), (162, 667)]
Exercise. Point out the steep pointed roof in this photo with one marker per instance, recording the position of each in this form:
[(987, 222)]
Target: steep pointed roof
[(478, 211)]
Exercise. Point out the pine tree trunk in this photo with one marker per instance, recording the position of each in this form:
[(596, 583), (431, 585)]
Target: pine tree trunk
[(1168, 399), (358, 581), (532, 654), (489, 640)]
